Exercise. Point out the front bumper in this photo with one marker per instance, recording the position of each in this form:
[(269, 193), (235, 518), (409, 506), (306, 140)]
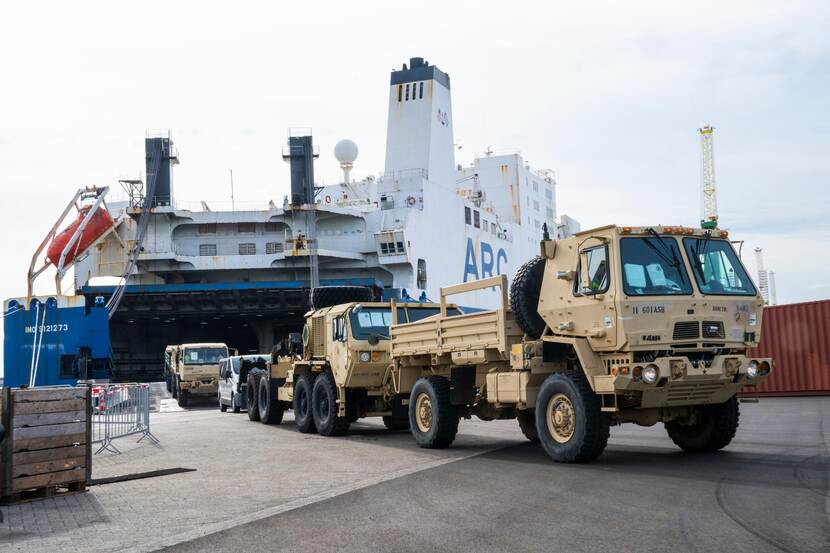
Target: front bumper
[(681, 382), (200, 386)]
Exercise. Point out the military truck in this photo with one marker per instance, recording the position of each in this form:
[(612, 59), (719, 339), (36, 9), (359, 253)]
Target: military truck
[(341, 373), (610, 326), (193, 370)]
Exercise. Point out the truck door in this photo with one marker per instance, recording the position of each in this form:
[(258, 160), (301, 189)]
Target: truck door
[(594, 314), (339, 348)]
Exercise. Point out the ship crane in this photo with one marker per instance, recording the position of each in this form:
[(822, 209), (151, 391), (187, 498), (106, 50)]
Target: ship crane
[(709, 202)]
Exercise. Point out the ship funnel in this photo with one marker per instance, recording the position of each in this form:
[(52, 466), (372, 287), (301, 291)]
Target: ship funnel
[(301, 153), (159, 155)]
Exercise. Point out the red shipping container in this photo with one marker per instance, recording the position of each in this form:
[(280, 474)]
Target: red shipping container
[(797, 337)]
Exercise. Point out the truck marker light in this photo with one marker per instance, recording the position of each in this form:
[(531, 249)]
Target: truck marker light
[(623, 370), (376, 356)]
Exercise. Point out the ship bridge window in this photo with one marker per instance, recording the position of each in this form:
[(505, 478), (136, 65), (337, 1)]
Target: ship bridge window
[(407, 93), (246, 228), (476, 220), (421, 92), (207, 249), (247, 248), (273, 247), (400, 91), (468, 215), (272, 227), (484, 223), (207, 228), (548, 193)]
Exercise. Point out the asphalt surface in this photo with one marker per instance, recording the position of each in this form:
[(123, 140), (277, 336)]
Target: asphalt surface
[(768, 491)]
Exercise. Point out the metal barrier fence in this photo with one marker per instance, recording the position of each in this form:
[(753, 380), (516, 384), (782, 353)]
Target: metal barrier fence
[(120, 410)]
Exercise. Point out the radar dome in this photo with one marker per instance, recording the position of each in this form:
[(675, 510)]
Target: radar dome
[(345, 151)]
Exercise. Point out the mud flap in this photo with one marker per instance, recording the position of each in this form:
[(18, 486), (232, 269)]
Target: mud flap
[(462, 385)]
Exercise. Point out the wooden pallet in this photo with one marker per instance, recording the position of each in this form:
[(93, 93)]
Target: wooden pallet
[(47, 448)]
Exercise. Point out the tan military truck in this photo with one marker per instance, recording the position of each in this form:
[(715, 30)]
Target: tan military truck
[(343, 373), (612, 325), (193, 370)]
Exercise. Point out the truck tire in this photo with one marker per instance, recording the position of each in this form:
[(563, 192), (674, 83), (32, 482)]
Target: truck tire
[(714, 430), (270, 409), (324, 407), (253, 404), (184, 398), (326, 296), (569, 419), (392, 423), (527, 422), (303, 416), (433, 420), (524, 297), (235, 403)]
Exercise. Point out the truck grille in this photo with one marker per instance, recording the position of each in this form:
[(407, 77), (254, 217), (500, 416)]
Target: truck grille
[(692, 393), (712, 329), (686, 330)]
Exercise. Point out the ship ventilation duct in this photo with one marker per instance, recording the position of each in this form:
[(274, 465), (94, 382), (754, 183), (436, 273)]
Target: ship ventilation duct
[(300, 153)]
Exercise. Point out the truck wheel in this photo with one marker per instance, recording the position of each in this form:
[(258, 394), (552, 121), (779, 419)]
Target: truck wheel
[(524, 297), (326, 296), (392, 423), (253, 404), (222, 407), (235, 403), (527, 422), (714, 430), (270, 410), (184, 397), (175, 381), (303, 416), (569, 419), (324, 407), (433, 420)]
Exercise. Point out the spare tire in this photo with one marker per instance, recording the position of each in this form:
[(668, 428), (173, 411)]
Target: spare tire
[(524, 297), (327, 296)]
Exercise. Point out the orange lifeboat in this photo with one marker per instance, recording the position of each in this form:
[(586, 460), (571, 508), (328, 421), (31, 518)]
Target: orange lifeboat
[(100, 222)]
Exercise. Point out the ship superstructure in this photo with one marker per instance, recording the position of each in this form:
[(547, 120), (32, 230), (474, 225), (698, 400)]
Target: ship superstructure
[(242, 277)]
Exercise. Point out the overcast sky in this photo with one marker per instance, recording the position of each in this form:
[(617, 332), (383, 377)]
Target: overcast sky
[(609, 97)]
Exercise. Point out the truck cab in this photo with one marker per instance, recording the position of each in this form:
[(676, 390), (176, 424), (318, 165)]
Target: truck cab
[(194, 369)]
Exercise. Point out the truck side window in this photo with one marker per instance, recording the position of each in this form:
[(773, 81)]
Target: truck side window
[(338, 332), (597, 272)]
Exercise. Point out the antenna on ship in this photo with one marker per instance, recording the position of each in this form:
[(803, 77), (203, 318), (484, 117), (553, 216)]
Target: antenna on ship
[(709, 202)]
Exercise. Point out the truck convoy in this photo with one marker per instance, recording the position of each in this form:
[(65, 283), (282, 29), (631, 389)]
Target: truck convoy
[(609, 326), (193, 370)]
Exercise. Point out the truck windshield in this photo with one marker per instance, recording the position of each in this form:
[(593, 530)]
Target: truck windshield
[(653, 266), (717, 269), (376, 320), (204, 356)]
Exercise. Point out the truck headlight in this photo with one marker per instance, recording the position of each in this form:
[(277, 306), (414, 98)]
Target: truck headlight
[(650, 374), (752, 369), (365, 356), (764, 368)]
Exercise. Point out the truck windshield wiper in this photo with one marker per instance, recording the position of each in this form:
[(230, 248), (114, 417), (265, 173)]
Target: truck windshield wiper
[(672, 261)]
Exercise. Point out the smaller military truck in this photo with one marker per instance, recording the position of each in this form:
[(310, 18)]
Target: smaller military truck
[(610, 326), (342, 371), (193, 370)]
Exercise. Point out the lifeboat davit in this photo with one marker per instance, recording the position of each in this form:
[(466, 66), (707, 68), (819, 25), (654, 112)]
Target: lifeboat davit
[(100, 222)]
